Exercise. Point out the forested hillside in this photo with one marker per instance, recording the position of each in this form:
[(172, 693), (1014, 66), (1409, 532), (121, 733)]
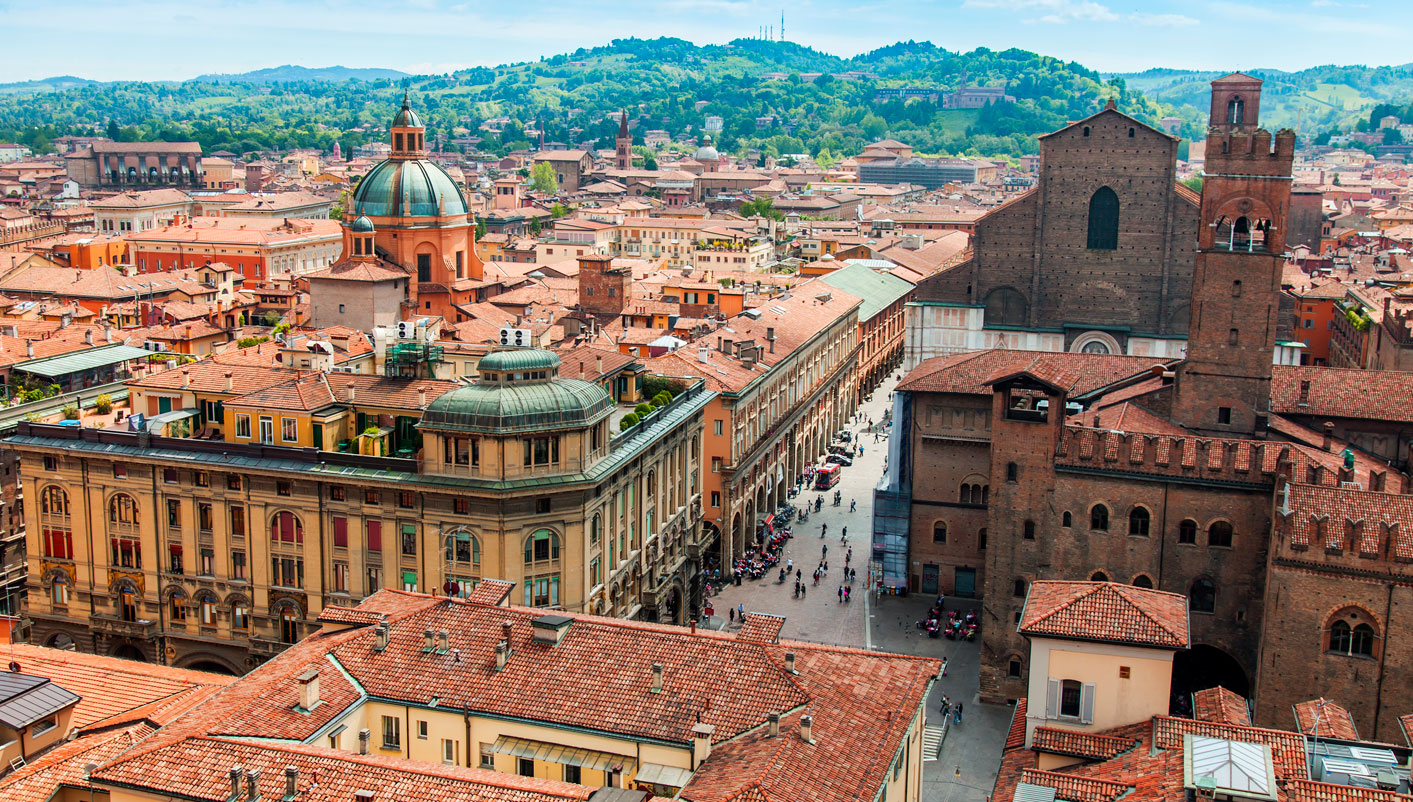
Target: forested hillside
[(659, 81)]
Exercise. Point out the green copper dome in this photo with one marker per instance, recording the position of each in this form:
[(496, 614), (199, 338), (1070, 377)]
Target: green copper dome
[(500, 404), (406, 117), (408, 188), (362, 226)]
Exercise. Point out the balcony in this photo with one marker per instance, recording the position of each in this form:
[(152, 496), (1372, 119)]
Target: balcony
[(115, 626)]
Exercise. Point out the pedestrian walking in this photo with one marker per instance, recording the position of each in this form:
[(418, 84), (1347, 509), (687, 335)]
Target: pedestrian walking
[(732, 615), (958, 719), (822, 529), (741, 612), (847, 593), (844, 535), (789, 566), (825, 553), (852, 504), (799, 573), (853, 574), (841, 594)]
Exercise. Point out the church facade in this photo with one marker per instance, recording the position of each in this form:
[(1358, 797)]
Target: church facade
[(1097, 258)]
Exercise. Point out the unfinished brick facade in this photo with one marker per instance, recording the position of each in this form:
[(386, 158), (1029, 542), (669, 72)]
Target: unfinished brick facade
[(1035, 267), (603, 288)]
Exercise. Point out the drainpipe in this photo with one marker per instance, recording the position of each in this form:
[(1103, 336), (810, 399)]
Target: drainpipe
[(1379, 683)]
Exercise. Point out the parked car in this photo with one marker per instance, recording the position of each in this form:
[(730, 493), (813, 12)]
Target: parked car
[(839, 459)]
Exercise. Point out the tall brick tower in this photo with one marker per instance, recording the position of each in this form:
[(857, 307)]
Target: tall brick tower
[(623, 144), (1223, 387)]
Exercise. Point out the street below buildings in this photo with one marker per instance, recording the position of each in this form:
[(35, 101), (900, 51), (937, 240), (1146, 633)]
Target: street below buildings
[(970, 751)]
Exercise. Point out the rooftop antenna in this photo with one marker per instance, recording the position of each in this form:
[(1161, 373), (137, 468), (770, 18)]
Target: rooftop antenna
[(782, 24)]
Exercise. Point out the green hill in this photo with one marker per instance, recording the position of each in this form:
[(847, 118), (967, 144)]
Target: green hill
[(660, 81), (1316, 99)]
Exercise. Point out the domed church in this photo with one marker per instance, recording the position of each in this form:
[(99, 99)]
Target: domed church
[(419, 223)]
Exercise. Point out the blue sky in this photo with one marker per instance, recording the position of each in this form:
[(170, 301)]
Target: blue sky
[(176, 39)]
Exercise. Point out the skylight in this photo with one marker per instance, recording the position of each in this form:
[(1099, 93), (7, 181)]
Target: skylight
[(1234, 767)]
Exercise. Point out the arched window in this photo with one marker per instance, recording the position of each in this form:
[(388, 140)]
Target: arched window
[(206, 607), (1066, 520), (463, 549), (1098, 576), (1236, 111), (56, 530), (939, 532), (285, 527), (1019, 589), (1103, 220), (1138, 522), (1028, 530), (289, 625), (1099, 518), (123, 532), (541, 547), (1203, 596), (286, 550), (1187, 531), (1351, 634), (1142, 581), (1219, 534), (177, 606)]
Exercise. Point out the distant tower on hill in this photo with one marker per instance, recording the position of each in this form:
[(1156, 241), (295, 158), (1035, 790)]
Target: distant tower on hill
[(338, 156), (623, 144)]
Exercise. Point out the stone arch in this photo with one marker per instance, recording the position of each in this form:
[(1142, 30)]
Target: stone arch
[(1096, 342), (1140, 520), (208, 662), (1099, 517), (60, 640), (1202, 595), (1205, 666), (1142, 581), (128, 651), (1006, 306)]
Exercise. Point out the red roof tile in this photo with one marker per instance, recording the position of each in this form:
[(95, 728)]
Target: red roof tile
[(1221, 706), (1079, 744), (1106, 611), (1340, 393), (1071, 788), (1015, 736), (1312, 791), (1322, 718)]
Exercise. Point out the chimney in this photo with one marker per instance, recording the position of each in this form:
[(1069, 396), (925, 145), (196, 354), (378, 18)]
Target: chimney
[(236, 773), (501, 654), (701, 743), (1329, 436), (422, 397), (88, 337), (230, 383), (703, 354), (443, 641), (252, 785), (807, 729), (186, 379), (773, 719), (657, 677), (29, 349), (428, 636), (363, 736), (598, 364), (615, 776), (790, 662), (380, 637), (352, 392), (505, 628), (363, 796), (291, 782), (308, 688), (770, 335)]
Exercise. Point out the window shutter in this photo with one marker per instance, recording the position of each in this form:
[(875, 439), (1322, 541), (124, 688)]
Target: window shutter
[(1052, 699), (1086, 704)]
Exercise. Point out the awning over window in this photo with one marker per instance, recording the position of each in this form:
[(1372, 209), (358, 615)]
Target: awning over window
[(658, 774), (553, 753)]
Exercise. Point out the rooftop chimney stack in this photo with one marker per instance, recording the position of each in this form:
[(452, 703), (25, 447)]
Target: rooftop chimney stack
[(363, 736), (774, 720), (1329, 436), (501, 655), (443, 641), (380, 637), (422, 397), (657, 677), (88, 337), (252, 785), (236, 773), (29, 349), (363, 796), (427, 637), (308, 688), (505, 628), (291, 781), (807, 729), (790, 662), (230, 382), (701, 743)]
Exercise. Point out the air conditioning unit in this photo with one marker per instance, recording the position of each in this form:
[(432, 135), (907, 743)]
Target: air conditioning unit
[(407, 329), (519, 338)]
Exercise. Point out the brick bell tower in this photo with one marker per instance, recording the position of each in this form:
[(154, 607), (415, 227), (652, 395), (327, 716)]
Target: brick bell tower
[(623, 144), (1223, 387)]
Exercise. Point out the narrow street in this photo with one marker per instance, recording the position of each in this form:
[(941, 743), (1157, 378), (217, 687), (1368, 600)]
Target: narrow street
[(970, 751)]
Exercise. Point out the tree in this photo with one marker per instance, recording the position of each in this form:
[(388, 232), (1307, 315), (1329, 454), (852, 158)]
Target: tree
[(1392, 136), (761, 207), (649, 163), (559, 210), (113, 130), (1194, 183), (542, 178)]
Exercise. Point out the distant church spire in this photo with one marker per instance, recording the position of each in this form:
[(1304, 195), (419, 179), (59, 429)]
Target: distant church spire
[(623, 144)]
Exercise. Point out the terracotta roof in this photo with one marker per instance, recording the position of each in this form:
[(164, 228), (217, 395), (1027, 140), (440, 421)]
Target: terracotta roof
[(360, 270), (1305, 506), (109, 685), (1221, 706), (1071, 788), (1015, 736), (970, 373), (761, 628), (63, 766), (349, 615), (1406, 723), (583, 362), (1312, 791), (1322, 718), (1380, 395), (1090, 746), (1106, 611), (209, 376), (1287, 748), (137, 200)]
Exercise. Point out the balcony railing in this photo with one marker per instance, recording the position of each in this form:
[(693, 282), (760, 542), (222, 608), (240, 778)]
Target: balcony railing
[(115, 625)]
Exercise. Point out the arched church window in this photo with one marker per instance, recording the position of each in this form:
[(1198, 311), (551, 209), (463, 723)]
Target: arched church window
[(1104, 220), (1236, 111)]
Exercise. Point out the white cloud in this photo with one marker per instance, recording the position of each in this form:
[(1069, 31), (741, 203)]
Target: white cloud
[(1161, 20), (1050, 12)]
